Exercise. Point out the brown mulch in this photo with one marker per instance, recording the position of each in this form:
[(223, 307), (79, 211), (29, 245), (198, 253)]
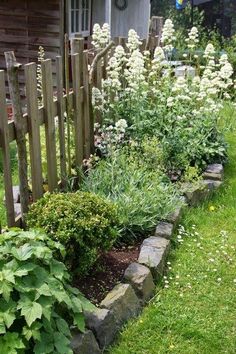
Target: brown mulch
[(107, 273)]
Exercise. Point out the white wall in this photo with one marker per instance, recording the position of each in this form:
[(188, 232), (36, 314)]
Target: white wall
[(136, 16), (98, 12)]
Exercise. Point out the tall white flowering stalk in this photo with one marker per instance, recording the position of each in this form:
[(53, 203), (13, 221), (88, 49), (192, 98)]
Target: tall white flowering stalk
[(101, 35), (41, 58), (133, 40), (168, 38), (192, 40), (135, 72)]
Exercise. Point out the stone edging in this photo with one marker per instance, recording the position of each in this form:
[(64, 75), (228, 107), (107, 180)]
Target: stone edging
[(127, 298)]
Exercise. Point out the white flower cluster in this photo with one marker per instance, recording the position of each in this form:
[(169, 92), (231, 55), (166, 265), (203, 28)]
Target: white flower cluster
[(209, 52), (168, 37), (101, 35), (135, 71), (133, 40), (192, 39), (115, 65)]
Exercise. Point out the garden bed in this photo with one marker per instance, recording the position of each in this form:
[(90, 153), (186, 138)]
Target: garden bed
[(107, 272)]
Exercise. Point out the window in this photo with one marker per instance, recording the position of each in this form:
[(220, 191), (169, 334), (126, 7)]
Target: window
[(80, 14)]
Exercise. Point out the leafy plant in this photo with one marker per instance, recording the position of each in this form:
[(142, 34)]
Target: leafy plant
[(83, 222), (141, 192), (37, 303)]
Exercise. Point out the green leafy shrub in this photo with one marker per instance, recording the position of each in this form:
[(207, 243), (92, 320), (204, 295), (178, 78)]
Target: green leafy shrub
[(142, 193), (37, 303), (83, 222)]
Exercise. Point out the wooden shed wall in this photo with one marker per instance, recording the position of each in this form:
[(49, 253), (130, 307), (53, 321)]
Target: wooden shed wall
[(27, 24)]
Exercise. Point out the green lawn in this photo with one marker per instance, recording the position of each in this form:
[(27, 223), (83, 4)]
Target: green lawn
[(194, 310)]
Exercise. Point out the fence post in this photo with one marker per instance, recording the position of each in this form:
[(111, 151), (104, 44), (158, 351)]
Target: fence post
[(78, 118), (12, 70), (34, 130), (61, 123), (6, 154), (88, 126), (50, 130)]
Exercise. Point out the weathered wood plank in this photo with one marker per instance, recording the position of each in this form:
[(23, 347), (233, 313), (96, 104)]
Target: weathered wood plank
[(34, 130), (6, 153), (12, 70), (50, 130), (61, 123), (78, 110)]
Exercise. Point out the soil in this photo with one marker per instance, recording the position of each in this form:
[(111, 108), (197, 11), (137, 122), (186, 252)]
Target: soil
[(107, 272)]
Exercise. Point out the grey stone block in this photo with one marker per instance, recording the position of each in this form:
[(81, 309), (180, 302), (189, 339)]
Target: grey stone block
[(153, 254), (164, 229), (198, 194), (103, 324), (140, 277), (123, 303), (212, 176), (84, 343), (215, 168), (212, 184), (176, 216)]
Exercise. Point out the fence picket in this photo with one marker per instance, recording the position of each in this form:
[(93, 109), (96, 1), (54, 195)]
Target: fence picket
[(86, 105), (78, 119), (34, 130), (50, 129), (61, 123), (6, 154), (19, 122)]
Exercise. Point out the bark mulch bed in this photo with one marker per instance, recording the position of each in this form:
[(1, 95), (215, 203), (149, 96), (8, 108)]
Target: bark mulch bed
[(107, 273)]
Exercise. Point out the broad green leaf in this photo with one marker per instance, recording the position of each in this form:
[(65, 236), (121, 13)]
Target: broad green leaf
[(9, 318), (63, 327), (46, 344), (32, 332), (44, 290), (5, 289), (79, 321), (22, 253), (24, 269), (61, 343), (2, 327), (8, 275), (57, 269), (10, 342), (31, 311)]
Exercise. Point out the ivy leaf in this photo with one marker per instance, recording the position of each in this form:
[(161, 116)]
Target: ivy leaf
[(63, 327), (31, 311), (32, 332), (44, 290), (61, 343), (45, 346), (24, 269), (2, 327), (23, 252), (5, 290), (10, 342), (8, 275), (79, 321), (57, 269)]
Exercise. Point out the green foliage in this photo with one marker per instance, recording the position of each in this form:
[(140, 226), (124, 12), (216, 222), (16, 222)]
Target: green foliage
[(83, 222), (37, 303), (133, 179)]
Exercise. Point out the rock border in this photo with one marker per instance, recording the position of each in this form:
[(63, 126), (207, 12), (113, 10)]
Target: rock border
[(127, 298)]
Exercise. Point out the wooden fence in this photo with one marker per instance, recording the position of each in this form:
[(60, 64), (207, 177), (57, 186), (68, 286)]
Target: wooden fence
[(72, 102)]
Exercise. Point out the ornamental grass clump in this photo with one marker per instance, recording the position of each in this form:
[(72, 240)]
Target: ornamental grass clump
[(84, 223), (37, 304), (133, 180)]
